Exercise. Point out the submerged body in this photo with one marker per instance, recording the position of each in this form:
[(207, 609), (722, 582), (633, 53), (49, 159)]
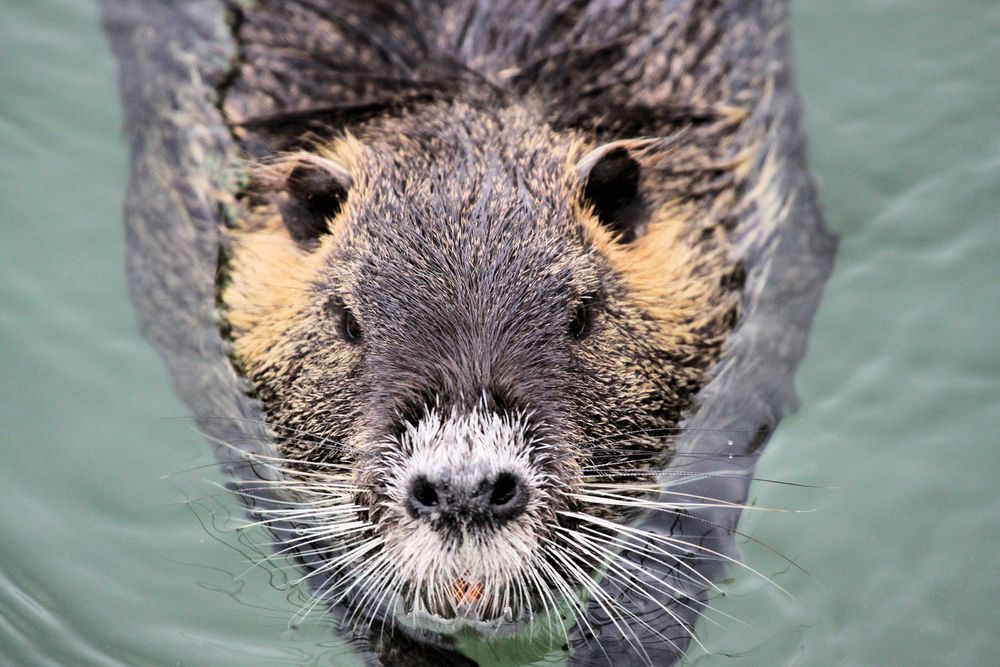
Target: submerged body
[(485, 258)]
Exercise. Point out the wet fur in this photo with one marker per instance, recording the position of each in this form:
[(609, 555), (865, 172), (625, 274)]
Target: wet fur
[(202, 93), (466, 240)]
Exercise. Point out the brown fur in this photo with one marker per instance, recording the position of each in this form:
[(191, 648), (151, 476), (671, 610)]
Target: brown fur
[(470, 267), (675, 272), (466, 247)]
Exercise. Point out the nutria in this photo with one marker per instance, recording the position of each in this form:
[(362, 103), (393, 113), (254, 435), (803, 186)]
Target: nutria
[(486, 269)]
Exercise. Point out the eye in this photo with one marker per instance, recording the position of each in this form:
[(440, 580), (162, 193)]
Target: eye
[(583, 318), (350, 326)]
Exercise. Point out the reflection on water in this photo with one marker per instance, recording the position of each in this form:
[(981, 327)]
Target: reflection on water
[(102, 561)]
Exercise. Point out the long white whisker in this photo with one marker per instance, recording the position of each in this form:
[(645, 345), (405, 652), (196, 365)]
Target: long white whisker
[(676, 542)]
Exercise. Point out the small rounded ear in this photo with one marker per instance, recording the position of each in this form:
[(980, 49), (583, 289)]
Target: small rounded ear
[(317, 189), (610, 176)]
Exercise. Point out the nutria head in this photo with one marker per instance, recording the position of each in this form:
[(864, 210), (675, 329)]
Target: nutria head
[(471, 334)]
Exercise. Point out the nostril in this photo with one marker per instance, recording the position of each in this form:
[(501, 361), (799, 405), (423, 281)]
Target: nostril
[(423, 495), (443, 503), (506, 491)]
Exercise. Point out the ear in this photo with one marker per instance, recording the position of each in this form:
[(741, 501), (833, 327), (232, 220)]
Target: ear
[(317, 189), (610, 176)]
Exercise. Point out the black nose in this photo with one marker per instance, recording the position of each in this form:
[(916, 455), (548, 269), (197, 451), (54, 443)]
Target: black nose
[(494, 499)]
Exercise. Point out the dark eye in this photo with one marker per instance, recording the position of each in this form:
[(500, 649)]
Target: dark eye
[(350, 326), (583, 317)]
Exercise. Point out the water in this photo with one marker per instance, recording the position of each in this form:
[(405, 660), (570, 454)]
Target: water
[(102, 561)]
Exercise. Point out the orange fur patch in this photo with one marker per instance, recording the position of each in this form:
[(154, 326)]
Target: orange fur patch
[(270, 276), (676, 283)]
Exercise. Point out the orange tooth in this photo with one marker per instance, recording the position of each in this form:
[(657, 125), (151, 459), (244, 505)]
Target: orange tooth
[(465, 592)]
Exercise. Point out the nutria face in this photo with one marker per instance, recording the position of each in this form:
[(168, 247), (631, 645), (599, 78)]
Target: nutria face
[(471, 334)]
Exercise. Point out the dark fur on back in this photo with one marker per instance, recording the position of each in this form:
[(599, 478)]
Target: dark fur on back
[(615, 69)]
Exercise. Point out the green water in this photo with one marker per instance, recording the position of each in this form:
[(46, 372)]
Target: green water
[(103, 561)]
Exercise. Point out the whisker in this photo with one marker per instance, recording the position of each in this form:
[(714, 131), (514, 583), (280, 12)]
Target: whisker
[(603, 600), (675, 542), (615, 559), (678, 509), (694, 577), (685, 476)]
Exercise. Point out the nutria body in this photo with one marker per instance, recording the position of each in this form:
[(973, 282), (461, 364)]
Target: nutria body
[(482, 263)]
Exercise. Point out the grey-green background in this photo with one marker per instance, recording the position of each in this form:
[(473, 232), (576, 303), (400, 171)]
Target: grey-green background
[(104, 562)]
